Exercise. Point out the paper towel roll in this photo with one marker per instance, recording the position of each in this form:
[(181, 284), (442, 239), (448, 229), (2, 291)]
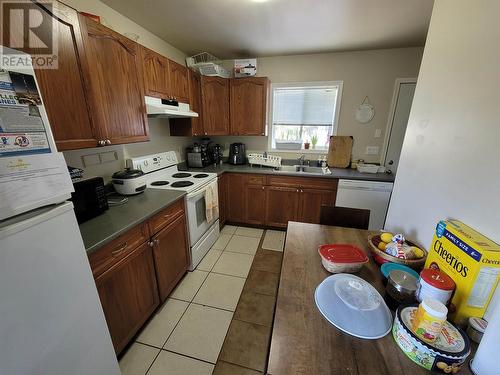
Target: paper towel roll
[(485, 361)]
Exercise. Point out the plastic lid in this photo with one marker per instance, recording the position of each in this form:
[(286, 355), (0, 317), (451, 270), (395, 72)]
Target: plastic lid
[(435, 308), (128, 174), (404, 280), (478, 324), (386, 268), (437, 279), (354, 306), (342, 253)]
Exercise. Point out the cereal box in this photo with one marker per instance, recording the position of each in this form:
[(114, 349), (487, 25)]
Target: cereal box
[(472, 261)]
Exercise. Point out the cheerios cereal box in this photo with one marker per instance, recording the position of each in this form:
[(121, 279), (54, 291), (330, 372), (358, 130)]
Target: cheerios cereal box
[(472, 261)]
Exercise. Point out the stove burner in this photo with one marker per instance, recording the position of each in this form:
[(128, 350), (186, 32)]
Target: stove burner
[(182, 183), (159, 183), (181, 175), (200, 175)]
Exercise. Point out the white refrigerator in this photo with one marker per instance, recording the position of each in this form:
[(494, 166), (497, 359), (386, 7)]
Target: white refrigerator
[(51, 319)]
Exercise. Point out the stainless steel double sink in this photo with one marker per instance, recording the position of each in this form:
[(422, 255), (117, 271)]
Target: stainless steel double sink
[(303, 169)]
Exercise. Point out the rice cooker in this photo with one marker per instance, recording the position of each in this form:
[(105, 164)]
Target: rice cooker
[(129, 181)]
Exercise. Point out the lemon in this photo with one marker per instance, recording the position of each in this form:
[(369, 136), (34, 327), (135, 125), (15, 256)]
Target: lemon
[(382, 245), (419, 253), (386, 237)]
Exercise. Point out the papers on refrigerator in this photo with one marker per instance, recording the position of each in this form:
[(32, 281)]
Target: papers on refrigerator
[(28, 182)]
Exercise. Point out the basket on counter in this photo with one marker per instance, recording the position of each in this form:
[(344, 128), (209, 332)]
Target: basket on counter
[(381, 257)]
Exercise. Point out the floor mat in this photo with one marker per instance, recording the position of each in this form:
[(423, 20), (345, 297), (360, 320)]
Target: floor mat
[(274, 240)]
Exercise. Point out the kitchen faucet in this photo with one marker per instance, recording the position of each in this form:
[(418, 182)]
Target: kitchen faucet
[(301, 159)]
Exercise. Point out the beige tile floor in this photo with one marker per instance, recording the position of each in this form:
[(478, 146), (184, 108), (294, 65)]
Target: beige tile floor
[(186, 334)]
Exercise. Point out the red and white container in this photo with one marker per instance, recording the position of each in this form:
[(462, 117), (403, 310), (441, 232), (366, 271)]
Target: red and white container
[(435, 284), (342, 258)]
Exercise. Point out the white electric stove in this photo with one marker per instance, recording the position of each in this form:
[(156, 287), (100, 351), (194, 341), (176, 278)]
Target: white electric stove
[(161, 172)]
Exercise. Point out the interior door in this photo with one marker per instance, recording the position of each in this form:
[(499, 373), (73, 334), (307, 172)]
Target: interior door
[(404, 97)]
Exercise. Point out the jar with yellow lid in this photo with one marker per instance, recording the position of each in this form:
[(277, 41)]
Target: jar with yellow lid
[(429, 319)]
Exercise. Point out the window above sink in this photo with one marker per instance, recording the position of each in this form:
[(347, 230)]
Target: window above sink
[(304, 112)]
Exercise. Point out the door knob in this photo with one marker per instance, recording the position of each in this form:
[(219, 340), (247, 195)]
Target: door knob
[(391, 162)]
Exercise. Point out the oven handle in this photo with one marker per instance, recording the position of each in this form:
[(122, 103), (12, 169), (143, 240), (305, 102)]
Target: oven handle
[(195, 194)]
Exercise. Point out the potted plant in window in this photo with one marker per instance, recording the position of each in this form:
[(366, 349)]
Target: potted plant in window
[(288, 140), (307, 145), (314, 141)]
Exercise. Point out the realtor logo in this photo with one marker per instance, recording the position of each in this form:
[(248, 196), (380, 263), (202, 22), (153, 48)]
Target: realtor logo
[(31, 28)]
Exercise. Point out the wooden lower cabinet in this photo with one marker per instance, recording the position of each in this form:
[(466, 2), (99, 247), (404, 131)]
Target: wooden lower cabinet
[(171, 255), (255, 204), (311, 201), (128, 294), (282, 205), (236, 197), (222, 190)]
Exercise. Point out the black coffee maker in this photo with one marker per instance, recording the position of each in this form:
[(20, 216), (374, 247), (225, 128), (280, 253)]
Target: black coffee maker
[(216, 153), (237, 154)]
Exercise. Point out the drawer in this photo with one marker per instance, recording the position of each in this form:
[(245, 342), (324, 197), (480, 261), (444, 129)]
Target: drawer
[(256, 179), (166, 216), (303, 182), (111, 253)]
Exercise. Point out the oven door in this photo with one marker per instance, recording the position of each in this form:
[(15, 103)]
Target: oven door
[(196, 213)]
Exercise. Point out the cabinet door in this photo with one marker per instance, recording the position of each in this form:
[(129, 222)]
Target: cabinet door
[(179, 83), (222, 190), (170, 249), (116, 83), (311, 201), (248, 106), (282, 205), (156, 73), (255, 201), (193, 126), (236, 198), (63, 89), (215, 104), (128, 295)]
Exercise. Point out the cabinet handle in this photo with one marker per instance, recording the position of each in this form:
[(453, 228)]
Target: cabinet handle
[(151, 244), (157, 242), (298, 190), (262, 187), (119, 250), (101, 142), (108, 142)]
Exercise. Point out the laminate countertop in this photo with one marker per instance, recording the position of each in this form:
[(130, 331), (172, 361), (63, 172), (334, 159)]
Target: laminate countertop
[(303, 342), (102, 229), (348, 174)]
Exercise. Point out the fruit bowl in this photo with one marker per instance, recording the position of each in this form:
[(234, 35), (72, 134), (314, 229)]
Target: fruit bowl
[(381, 257)]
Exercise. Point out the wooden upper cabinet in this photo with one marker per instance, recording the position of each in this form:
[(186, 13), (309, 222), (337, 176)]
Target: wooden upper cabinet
[(116, 83), (249, 105), (179, 84), (63, 89), (215, 98), (156, 73), (190, 126)]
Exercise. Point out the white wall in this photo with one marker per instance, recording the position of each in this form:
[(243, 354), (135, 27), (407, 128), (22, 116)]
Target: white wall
[(449, 162), (371, 73)]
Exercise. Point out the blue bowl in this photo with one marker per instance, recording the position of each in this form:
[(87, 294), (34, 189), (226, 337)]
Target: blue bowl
[(386, 268)]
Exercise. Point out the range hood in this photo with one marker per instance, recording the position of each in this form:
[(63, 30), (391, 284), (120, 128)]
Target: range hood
[(156, 107)]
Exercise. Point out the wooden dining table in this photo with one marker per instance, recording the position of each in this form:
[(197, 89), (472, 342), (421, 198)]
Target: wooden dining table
[(303, 341)]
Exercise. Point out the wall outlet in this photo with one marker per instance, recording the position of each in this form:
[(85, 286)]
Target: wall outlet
[(378, 133), (89, 160), (372, 150), (108, 157)]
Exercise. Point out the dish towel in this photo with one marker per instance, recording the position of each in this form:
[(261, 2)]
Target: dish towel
[(211, 202)]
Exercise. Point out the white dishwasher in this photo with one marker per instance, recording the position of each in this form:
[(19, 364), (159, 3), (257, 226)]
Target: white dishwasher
[(369, 195)]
